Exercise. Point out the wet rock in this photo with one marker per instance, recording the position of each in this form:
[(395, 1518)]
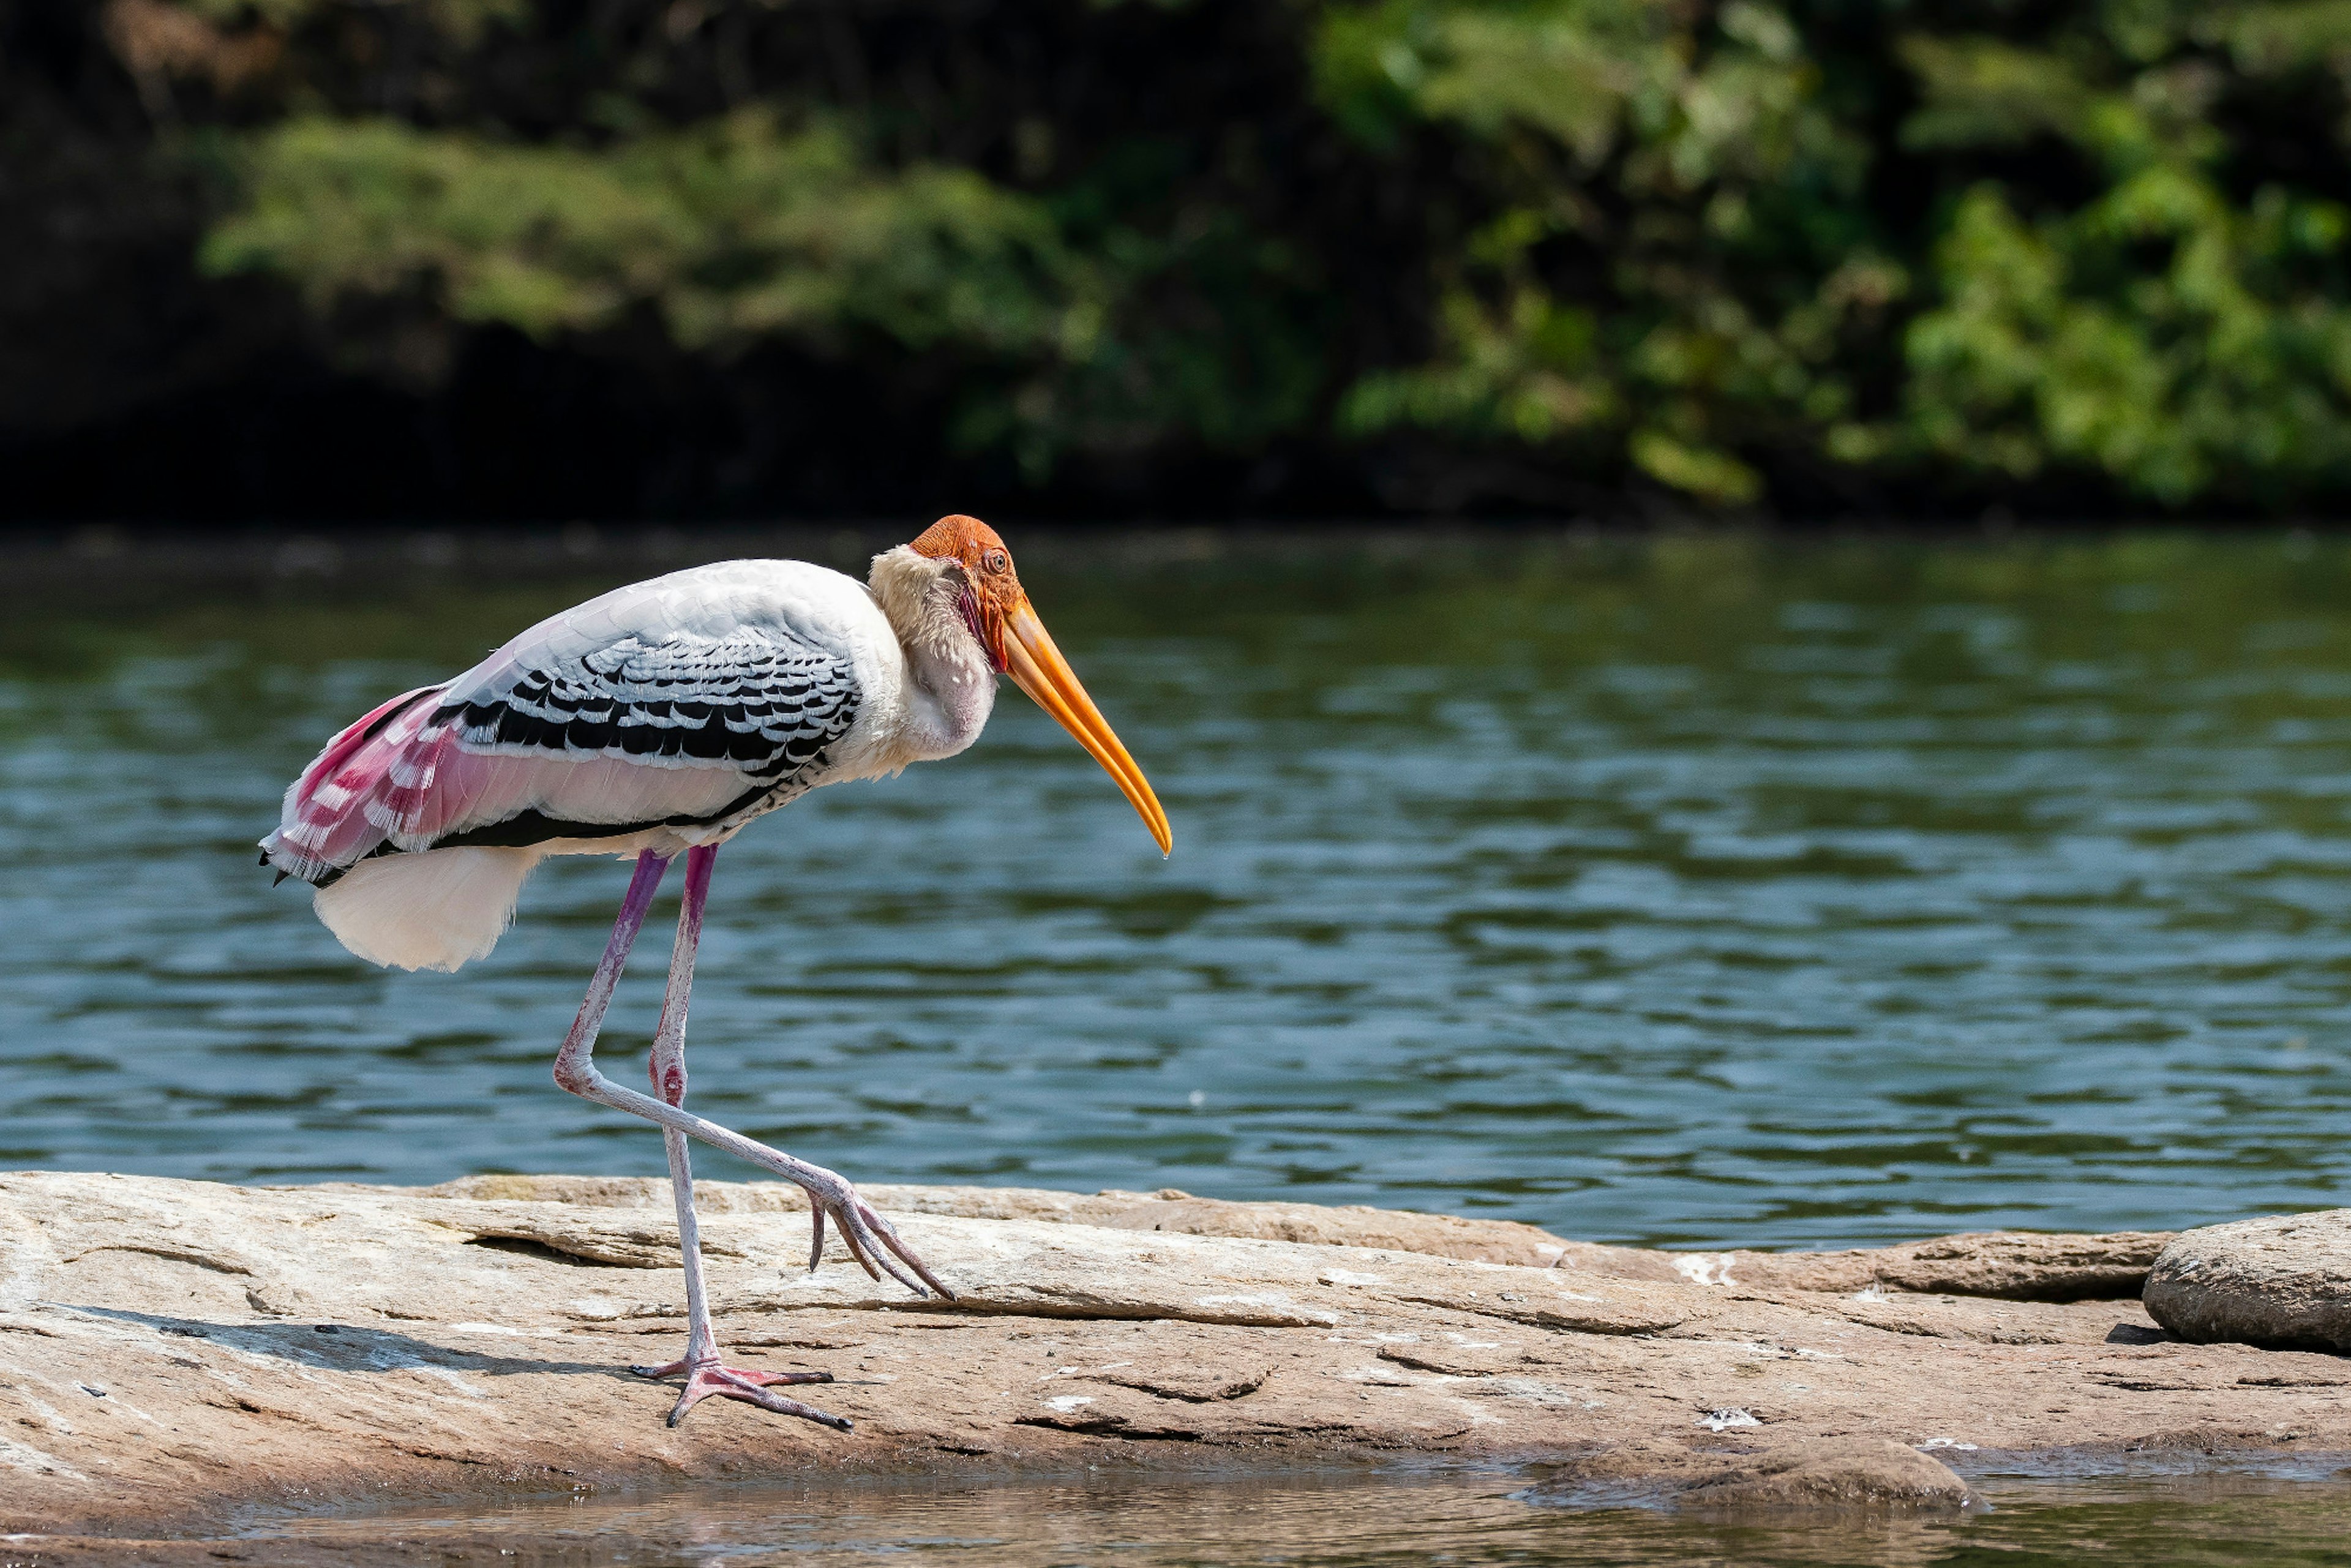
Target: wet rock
[(2283, 1282), (1841, 1472), (1833, 1472)]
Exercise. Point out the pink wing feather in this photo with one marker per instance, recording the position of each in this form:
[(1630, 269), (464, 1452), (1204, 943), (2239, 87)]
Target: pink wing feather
[(373, 782)]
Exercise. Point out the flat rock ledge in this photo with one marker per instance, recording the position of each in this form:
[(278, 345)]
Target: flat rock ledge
[(175, 1353), (2283, 1281)]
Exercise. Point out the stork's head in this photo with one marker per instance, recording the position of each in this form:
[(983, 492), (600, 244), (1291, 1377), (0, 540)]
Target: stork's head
[(997, 609)]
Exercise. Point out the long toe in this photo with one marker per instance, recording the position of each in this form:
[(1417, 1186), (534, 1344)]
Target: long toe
[(892, 1240), (770, 1379), (752, 1387), (873, 1243), (745, 1374)]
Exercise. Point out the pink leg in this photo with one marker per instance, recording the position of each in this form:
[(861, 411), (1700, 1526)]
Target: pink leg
[(578, 1056), (870, 1238), (705, 1375)]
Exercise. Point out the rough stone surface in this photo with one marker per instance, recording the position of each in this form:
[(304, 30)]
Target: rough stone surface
[(2022, 1266), (171, 1352), (1439, 1235), (2284, 1281), (2011, 1265), (1824, 1472)]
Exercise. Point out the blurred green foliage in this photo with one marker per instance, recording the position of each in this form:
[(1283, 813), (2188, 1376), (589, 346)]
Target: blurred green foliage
[(1736, 253), (732, 228), (2177, 323), (2182, 328)]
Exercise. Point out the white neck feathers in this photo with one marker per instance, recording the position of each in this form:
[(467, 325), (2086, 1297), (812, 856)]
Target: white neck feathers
[(950, 687)]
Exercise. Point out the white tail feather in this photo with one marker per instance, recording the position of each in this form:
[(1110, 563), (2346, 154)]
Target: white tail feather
[(430, 911)]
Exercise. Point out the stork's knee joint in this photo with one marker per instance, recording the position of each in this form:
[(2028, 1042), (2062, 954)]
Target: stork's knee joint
[(577, 1075)]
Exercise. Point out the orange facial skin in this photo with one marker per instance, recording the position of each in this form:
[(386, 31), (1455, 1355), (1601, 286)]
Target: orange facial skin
[(998, 613), (991, 588)]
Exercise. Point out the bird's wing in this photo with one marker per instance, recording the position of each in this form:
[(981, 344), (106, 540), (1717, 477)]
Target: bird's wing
[(759, 701), (577, 729)]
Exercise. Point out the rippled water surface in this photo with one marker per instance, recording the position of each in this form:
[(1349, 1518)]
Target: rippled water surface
[(1351, 1522), (1699, 889)]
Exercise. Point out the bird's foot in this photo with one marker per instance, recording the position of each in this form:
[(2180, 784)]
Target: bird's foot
[(870, 1238), (708, 1378)]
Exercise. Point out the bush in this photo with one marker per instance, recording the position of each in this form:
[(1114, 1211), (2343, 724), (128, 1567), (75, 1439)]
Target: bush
[(1439, 252)]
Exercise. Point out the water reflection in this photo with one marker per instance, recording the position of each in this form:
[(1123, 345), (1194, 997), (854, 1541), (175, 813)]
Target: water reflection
[(1347, 1521), (1695, 889)]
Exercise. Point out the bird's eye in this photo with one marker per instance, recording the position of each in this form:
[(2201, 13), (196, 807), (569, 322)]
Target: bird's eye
[(996, 560)]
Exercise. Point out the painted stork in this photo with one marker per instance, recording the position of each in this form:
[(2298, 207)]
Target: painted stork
[(656, 721)]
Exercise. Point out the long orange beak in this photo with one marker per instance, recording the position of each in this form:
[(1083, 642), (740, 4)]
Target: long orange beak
[(1039, 669)]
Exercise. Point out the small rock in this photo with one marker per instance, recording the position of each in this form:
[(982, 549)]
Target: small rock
[(2283, 1282), (276, 1299)]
